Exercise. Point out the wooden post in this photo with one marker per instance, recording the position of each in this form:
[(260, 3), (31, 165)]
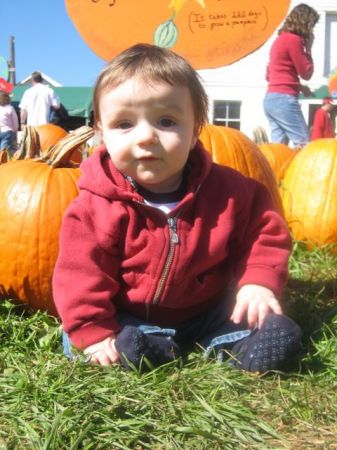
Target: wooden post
[(11, 62)]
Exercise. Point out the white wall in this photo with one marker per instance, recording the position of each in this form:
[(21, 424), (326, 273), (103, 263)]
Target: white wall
[(244, 80)]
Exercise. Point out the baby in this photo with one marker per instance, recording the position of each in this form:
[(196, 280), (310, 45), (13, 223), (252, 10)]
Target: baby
[(163, 249)]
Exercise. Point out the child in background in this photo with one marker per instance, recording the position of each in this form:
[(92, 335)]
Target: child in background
[(164, 249), (9, 123), (322, 126)]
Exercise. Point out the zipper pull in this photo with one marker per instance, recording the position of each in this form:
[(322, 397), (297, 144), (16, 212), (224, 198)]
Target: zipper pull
[(172, 223)]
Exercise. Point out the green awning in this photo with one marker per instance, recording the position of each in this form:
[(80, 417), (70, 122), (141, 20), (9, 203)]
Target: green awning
[(77, 100), (318, 94)]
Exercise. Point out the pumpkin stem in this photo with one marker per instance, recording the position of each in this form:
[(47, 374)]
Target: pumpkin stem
[(260, 136), (30, 144), (58, 155), (4, 156)]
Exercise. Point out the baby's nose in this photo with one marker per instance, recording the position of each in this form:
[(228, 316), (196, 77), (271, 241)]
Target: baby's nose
[(146, 134)]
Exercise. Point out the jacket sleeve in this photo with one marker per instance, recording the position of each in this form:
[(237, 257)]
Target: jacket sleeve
[(301, 58), (85, 278), (263, 242)]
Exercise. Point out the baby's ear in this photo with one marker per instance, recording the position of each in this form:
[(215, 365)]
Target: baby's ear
[(98, 130), (98, 126), (195, 137)]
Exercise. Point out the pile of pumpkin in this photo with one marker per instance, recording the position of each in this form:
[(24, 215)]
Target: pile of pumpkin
[(38, 185)]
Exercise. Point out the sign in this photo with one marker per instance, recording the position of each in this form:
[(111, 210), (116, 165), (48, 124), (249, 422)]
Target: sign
[(208, 33)]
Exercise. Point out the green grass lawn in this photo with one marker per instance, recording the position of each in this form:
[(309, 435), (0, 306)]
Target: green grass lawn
[(47, 402)]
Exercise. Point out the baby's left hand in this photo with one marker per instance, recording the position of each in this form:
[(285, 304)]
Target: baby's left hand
[(256, 302)]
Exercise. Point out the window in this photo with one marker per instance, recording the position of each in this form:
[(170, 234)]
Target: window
[(330, 56), (227, 113)]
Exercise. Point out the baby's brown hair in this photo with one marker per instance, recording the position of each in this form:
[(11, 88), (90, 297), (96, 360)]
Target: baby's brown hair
[(149, 64)]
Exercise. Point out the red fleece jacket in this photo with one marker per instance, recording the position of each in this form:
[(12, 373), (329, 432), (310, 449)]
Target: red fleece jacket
[(117, 253), (289, 59), (322, 125)]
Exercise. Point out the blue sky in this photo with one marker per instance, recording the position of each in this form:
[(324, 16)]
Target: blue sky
[(46, 40)]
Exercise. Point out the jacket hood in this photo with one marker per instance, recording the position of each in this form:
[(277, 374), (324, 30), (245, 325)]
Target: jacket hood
[(101, 177)]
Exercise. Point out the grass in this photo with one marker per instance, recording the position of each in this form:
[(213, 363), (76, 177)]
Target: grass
[(48, 403)]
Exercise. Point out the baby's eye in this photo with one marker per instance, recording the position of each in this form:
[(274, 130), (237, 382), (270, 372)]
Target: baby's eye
[(124, 125), (166, 122)]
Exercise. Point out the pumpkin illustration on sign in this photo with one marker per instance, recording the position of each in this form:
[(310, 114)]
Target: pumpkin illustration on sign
[(208, 33), (166, 34)]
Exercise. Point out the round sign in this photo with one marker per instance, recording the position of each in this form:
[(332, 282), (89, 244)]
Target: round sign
[(209, 33)]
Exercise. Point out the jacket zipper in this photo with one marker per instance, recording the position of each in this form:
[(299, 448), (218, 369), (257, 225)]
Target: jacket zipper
[(174, 240)]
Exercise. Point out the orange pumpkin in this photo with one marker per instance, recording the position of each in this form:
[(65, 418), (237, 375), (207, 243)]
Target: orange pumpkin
[(309, 193), (36, 141), (279, 157), (35, 194), (230, 147), (50, 134)]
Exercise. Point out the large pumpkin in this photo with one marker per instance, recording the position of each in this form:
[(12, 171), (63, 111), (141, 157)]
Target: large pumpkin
[(279, 157), (230, 147), (34, 196), (309, 193)]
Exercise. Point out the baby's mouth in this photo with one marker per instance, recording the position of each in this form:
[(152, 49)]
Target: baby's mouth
[(148, 158)]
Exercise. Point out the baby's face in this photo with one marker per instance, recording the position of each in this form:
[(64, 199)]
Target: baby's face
[(149, 131)]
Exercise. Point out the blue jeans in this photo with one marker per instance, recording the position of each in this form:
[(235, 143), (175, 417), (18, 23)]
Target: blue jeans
[(7, 140), (258, 350), (285, 119), (208, 329)]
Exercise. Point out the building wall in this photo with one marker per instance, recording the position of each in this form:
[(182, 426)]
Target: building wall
[(244, 80)]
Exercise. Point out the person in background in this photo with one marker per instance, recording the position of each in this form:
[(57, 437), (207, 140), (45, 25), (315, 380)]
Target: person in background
[(149, 264), (322, 126), (8, 123), (36, 102), (290, 59)]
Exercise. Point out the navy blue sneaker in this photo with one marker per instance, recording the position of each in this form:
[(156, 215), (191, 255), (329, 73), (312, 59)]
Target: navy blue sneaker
[(270, 347), (136, 347)]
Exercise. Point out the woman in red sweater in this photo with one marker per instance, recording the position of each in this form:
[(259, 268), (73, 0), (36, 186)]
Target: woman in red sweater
[(290, 60)]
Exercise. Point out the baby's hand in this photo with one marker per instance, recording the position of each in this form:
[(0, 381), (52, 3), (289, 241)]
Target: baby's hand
[(256, 302), (104, 352)]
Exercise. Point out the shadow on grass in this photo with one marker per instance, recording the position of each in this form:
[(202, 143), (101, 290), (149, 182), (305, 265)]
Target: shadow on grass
[(313, 305)]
